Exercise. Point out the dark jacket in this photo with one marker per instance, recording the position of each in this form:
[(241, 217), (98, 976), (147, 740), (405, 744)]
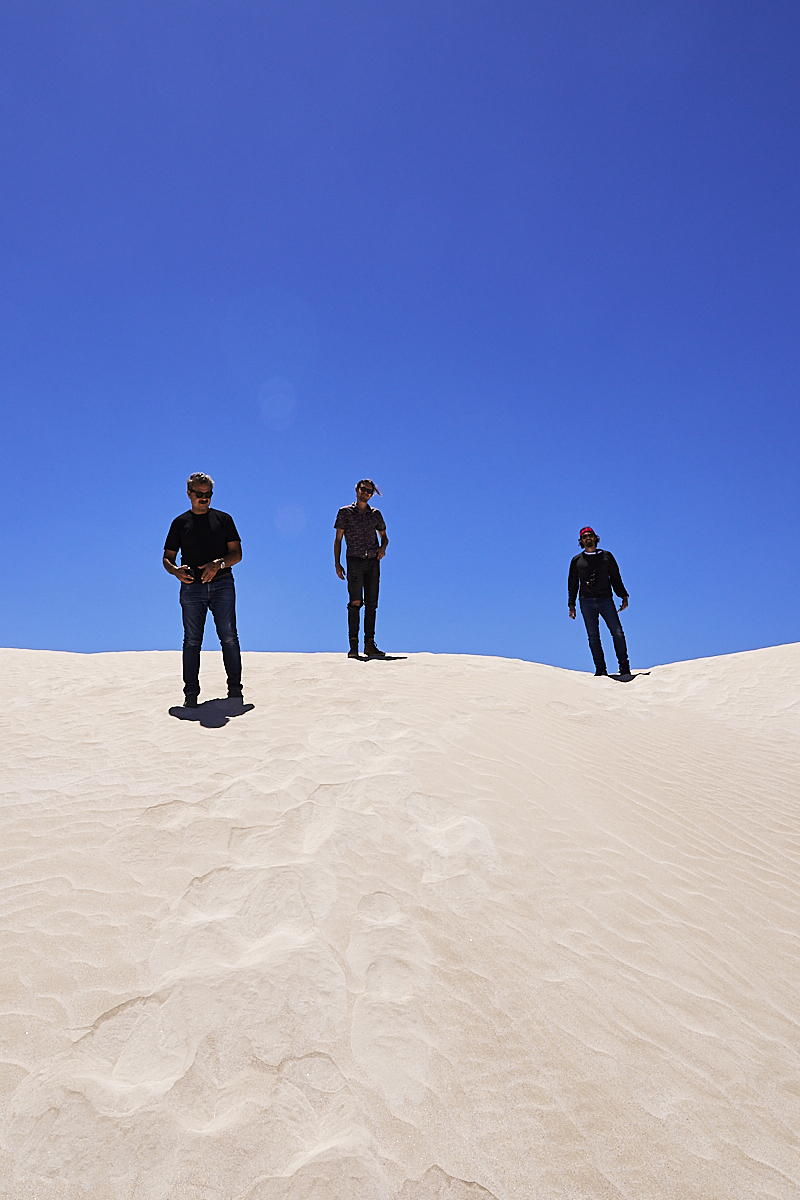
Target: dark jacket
[(596, 574)]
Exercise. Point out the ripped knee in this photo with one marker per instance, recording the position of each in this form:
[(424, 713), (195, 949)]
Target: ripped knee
[(355, 603)]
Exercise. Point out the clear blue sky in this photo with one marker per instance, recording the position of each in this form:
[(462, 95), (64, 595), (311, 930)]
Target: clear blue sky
[(528, 265)]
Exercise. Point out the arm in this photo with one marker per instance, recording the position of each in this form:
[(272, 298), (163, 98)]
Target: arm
[(230, 558), (168, 563), (383, 545), (616, 582), (337, 551), (572, 589)]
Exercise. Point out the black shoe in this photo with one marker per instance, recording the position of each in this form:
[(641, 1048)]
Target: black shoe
[(353, 651), (597, 674), (235, 693), (190, 700), (372, 651), (625, 668)]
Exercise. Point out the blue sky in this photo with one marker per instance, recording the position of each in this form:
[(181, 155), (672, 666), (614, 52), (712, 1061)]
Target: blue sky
[(528, 265)]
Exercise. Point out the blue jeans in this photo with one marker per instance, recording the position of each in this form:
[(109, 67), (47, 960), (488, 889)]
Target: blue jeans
[(196, 599), (592, 609)]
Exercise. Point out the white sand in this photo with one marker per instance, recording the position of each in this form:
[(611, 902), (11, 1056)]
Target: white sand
[(441, 929)]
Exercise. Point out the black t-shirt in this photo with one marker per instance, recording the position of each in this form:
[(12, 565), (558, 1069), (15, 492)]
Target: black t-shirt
[(202, 537)]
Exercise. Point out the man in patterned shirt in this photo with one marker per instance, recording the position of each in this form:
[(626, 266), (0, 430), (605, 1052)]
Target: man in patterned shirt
[(359, 525)]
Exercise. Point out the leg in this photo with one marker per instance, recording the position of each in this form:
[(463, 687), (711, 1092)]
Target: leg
[(591, 617), (355, 591), (222, 602), (194, 606), (608, 611), (353, 620), (372, 579)]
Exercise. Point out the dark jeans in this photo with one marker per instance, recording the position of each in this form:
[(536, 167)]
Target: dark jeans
[(196, 599), (363, 581), (592, 610)]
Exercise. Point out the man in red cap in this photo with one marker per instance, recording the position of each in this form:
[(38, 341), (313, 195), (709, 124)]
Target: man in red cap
[(597, 575)]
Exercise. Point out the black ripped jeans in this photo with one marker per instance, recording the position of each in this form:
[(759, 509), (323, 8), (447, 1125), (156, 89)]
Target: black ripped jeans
[(363, 581)]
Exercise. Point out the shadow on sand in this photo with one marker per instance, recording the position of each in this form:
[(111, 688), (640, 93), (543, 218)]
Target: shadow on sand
[(386, 658), (628, 678), (212, 714)]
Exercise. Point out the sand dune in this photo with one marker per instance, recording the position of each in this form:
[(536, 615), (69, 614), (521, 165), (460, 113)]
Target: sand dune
[(446, 928)]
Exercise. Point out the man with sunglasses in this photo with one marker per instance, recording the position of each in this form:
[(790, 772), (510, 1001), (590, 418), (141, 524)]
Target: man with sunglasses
[(359, 524), (210, 545), (597, 575)]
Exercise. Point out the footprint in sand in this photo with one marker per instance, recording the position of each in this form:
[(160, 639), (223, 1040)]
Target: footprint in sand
[(436, 1184), (339, 1157), (389, 959), (455, 852)]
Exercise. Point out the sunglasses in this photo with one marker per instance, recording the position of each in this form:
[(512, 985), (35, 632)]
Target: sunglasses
[(369, 491), (201, 495)]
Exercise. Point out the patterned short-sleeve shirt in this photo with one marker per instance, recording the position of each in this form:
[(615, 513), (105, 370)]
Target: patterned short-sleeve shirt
[(361, 530)]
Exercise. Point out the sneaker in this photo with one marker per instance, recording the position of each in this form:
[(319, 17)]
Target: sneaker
[(235, 693), (597, 674), (353, 651), (190, 700), (372, 651)]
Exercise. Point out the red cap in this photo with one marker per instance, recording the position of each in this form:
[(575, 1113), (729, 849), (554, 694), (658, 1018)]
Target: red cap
[(586, 529)]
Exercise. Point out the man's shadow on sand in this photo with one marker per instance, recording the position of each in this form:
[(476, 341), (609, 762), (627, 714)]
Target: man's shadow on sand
[(383, 658), (212, 714)]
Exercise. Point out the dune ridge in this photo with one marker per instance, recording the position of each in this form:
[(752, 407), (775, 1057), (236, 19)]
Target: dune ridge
[(446, 928)]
